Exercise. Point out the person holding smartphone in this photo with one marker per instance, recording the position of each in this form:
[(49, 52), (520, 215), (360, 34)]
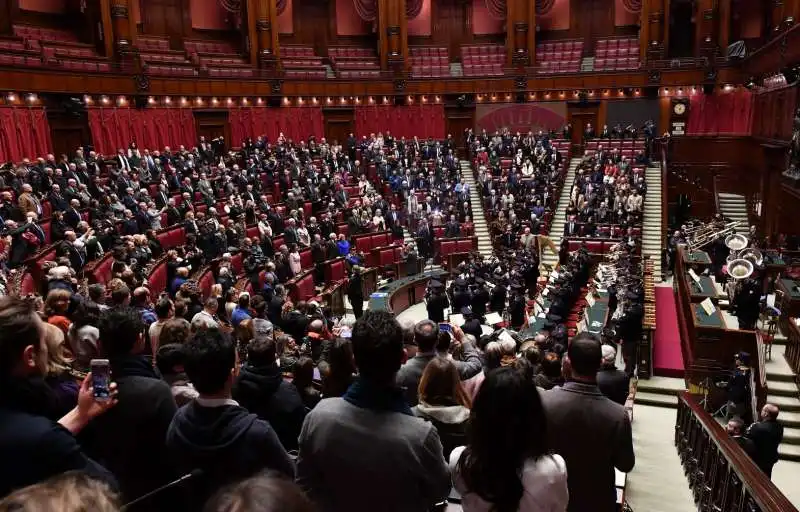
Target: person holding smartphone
[(34, 446)]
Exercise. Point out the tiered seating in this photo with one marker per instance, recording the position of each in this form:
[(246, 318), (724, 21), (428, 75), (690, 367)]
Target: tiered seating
[(628, 147), (157, 58), (301, 62), (483, 60), (429, 62), (52, 47), (352, 62), (218, 59), (559, 57), (617, 54)]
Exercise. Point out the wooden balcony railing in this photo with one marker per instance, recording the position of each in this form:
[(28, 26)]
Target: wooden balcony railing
[(721, 475)]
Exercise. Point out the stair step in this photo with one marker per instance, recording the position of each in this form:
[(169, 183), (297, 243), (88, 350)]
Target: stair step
[(786, 403), (785, 388), (656, 399), (789, 452)]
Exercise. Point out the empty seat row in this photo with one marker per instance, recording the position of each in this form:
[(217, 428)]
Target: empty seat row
[(223, 61), (231, 72), (429, 59), (615, 64), (357, 64), (211, 47), (430, 71), (297, 51), (304, 74), (152, 43), (559, 46), (19, 60), (302, 64), (54, 51), (360, 74), (484, 70), (163, 57), (171, 70), (15, 45), (86, 65), (428, 51), (483, 59), (617, 52), (618, 43), (615, 143), (486, 49), (559, 55), (44, 34), (561, 66), (350, 52)]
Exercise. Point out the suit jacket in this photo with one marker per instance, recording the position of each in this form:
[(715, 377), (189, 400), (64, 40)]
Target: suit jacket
[(72, 217), (766, 436), (593, 434), (614, 384), (28, 203)]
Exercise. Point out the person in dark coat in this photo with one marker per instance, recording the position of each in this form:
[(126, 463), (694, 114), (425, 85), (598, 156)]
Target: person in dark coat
[(355, 292), (735, 429), (129, 439), (516, 306), (471, 324), (613, 383), (767, 435), (497, 299), (260, 389), (437, 302), (34, 446), (213, 433), (480, 297)]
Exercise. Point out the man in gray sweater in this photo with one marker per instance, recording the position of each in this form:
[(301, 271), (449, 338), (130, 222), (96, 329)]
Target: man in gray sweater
[(366, 450)]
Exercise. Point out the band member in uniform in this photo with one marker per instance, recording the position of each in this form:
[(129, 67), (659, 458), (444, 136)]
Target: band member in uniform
[(436, 301)]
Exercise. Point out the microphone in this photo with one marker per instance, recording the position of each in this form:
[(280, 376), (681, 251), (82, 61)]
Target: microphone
[(188, 476)]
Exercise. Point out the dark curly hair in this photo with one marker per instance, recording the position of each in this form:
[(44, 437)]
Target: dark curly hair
[(377, 345)]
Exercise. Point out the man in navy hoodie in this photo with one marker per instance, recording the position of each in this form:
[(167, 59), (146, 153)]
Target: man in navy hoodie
[(213, 433)]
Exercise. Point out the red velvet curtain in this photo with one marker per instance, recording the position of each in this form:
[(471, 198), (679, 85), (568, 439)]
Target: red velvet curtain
[(634, 6), (726, 112), (296, 123), (497, 9), (544, 6), (407, 121), (24, 133), (152, 128), (367, 9)]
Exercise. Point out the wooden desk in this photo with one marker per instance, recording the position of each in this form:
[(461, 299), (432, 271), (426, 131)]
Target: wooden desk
[(696, 258), (399, 295), (704, 290), (701, 319), (790, 306)]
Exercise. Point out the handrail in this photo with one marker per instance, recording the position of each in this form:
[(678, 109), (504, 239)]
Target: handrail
[(664, 194), (721, 474), (716, 194)]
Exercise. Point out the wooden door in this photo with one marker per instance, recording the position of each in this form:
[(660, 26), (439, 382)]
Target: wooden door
[(580, 115), (68, 132), (212, 124), (458, 120), (339, 124)]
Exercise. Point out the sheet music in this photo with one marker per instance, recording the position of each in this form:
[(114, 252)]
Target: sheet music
[(694, 275), (590, 299), (708, 307), (493, 318), (457, 319), (771, 300)]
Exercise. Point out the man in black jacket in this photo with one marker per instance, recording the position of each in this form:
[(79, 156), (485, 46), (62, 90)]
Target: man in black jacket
[(766, 435), (129, 439), (213, 433), (260, 389), (34, 446), (613, 383)]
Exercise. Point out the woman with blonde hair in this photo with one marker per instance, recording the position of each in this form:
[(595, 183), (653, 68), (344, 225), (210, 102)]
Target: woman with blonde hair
[(443, 402), (56, 306), (59, 376), (73, 491)]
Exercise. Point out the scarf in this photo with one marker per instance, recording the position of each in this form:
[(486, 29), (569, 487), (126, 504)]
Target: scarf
[(133, 366), (369, 395)]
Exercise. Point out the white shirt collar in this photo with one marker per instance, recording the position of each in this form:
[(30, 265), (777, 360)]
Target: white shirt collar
[(216, 402)]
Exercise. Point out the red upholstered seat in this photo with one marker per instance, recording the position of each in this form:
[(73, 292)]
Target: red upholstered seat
[(27, 286), (252, 232), (102, 269), (306, 261), (205, 282), (464, 245), (277, 241), (334, 270), (157, 281), (574, 245), (236, 262), (446, 247)]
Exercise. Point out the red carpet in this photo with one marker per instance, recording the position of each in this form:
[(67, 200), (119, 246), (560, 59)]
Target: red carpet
[(667, 357)]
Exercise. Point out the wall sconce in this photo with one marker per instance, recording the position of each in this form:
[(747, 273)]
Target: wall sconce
[(167, 100)]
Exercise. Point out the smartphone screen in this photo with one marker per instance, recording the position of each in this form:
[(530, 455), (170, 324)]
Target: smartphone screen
[(444, 326), (101, 379)]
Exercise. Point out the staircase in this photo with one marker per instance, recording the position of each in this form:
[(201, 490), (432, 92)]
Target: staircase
[(651, 223), (734, 207), (782, 391), (560, 213), (479, 220), (587, 64), (658, 392), (456, 69), (329, 72)]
